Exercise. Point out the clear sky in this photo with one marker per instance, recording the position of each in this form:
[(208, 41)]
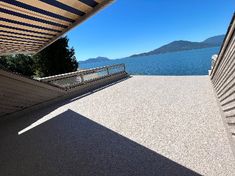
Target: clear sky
[(128, 27)]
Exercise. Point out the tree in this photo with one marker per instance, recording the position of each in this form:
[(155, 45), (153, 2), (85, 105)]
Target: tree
[(56, 59), (3, 62), (18, 63)]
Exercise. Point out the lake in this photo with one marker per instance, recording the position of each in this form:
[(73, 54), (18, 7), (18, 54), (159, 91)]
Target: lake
[(193, 62)]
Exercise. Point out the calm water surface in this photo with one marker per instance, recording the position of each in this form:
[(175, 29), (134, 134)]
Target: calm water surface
[(193, 62)]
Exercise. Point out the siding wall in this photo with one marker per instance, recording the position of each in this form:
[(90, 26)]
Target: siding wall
[(17, 92), (223, 77)]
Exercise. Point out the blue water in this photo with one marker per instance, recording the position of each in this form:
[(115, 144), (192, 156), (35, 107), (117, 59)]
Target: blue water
[(193, 62)]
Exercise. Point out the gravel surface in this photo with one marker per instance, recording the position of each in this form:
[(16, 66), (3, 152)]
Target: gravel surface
[(145, 125)]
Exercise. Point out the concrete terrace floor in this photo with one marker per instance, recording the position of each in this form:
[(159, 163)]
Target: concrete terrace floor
[(145, 125)]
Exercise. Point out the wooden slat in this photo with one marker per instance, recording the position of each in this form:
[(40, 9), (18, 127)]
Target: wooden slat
[(4, 44), (18, 51), (28, 28), (6, 53), (24, 33), (8, 46), (13, 46), (21, 36), (5, 39), (2, 47), (50, 8), (13, 38), (77, 4), (32, 13), (15, 49), (28, 21)]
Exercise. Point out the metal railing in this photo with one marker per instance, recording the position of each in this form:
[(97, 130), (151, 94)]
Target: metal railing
[(74, 79)]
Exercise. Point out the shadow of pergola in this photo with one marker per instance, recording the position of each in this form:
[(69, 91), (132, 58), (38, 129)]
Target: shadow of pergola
[(71, 144)]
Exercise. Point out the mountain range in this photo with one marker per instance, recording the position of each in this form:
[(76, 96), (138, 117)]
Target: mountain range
[(97, 59), (182, 45), (174, 46)]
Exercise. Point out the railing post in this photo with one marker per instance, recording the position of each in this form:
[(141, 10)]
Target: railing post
[(213, 60), (82, 78), (107, 70)]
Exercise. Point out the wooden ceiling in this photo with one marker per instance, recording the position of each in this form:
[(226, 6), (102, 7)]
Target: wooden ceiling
[(28, 26)]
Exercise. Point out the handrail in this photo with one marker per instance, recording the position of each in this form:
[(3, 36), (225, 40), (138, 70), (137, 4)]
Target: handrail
[(84, 72), (73, 79)]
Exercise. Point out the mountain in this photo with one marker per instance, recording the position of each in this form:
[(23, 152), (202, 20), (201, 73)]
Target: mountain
[(182, 45), (97, 59), (217, 40)]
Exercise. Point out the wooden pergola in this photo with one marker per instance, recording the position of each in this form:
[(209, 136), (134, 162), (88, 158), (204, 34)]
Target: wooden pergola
[(28, 26)]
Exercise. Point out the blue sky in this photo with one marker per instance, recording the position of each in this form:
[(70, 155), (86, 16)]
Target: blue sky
[(128, 27)]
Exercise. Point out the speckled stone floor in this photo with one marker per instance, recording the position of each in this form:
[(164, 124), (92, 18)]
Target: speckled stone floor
[(145, 125)]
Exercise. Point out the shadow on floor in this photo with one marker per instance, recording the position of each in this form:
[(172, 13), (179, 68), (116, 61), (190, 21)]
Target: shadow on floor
[(71, 144)]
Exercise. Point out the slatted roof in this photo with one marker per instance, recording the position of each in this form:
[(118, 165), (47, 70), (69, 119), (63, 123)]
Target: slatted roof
[(28, 26)]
